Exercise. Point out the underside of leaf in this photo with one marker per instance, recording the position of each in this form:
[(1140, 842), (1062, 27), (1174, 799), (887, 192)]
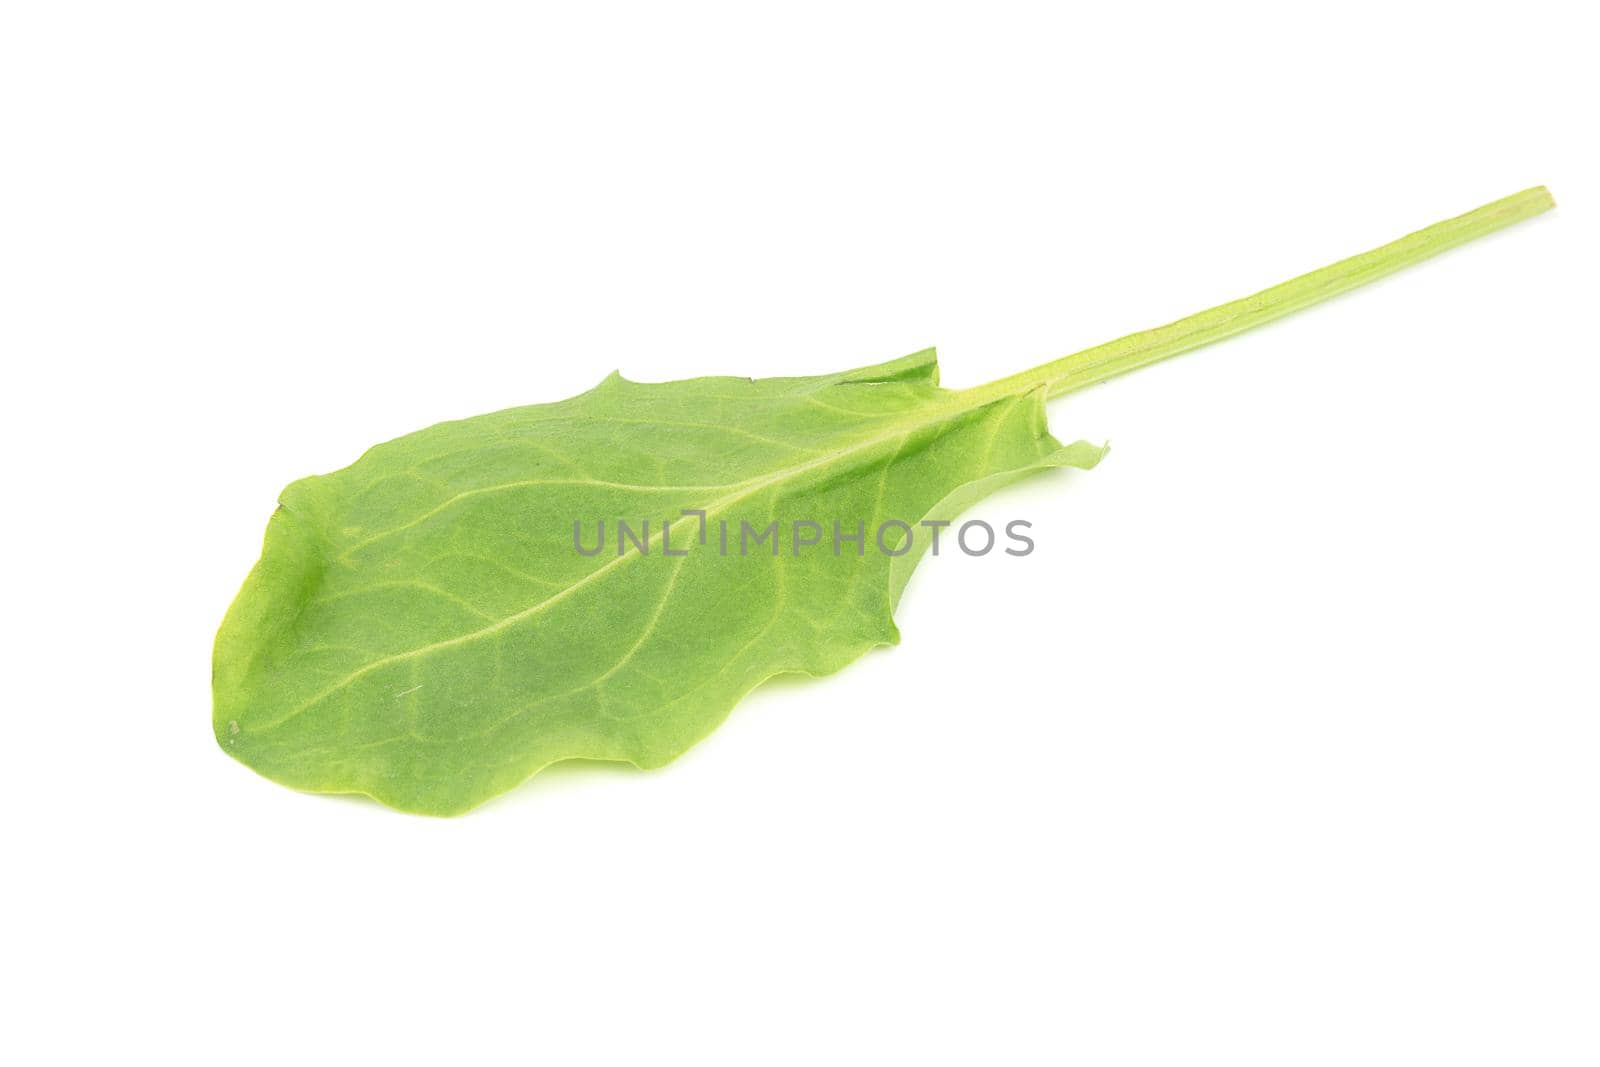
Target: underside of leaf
[(420, 627)]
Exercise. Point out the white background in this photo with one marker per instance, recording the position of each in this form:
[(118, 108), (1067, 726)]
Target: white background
[(1281, 749)]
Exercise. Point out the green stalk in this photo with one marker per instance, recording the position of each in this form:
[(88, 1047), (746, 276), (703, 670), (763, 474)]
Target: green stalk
[(1092, 365)]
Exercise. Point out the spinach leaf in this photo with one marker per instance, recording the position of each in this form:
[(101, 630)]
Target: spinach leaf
[(460, 607)]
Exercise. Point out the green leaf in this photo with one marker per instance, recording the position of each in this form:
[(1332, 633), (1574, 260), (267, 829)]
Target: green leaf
[(423, 628)]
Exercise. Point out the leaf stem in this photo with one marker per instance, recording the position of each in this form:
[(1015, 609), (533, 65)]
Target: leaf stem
[(1093, 365)]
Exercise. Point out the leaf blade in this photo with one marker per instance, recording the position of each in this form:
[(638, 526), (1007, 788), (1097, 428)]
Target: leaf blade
[(441, 698)]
